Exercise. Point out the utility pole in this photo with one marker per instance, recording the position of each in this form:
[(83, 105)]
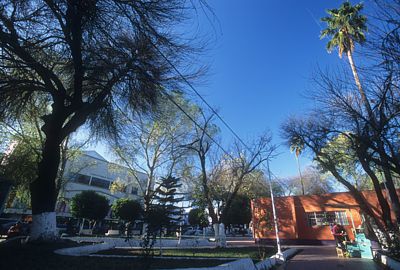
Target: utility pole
[(279, 254)]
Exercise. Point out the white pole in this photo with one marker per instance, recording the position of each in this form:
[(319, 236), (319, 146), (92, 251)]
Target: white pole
[(279, 254)]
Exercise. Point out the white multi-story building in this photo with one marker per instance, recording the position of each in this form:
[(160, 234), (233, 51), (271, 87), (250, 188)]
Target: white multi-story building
[(91, 171)]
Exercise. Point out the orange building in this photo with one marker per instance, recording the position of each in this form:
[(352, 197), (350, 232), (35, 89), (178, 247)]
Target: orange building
[(307, 219)]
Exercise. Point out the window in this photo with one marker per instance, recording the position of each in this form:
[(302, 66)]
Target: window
[(134, 190), (97, 182), (341, 218), (327, 218), (82, 179)]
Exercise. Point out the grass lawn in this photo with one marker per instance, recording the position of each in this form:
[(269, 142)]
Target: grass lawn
[(34, 256), (254, 253)]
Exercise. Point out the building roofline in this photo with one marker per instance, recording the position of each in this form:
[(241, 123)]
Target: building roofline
[(86, 153), (319, 195)]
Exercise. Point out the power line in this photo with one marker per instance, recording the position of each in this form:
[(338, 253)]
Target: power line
[(205, 102), (189, 117), (200, 96), (197, 125)]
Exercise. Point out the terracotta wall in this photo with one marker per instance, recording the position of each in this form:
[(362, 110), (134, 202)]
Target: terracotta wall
[(263, 218), (292, 215)]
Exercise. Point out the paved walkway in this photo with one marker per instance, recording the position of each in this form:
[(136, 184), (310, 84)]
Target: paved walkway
[(325, 258)]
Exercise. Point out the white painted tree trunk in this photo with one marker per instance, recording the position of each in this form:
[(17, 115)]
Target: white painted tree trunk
[(216, 234), (222, 235), (44, 226), (144, 230), (81, 227)]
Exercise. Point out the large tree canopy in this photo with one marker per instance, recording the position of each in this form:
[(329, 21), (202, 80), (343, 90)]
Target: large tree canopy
[(87, 58)]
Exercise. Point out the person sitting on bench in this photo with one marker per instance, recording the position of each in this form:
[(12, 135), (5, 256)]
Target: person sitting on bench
[(339, 233)]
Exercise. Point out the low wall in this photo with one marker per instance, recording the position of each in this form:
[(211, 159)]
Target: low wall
[(84, 250), (247, 264), (135, 242)]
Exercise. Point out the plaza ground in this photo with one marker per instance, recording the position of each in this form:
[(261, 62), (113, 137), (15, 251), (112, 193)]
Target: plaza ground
[(34, 256), (41, 256), (325, 258)]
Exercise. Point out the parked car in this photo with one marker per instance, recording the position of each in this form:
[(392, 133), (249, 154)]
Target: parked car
[(17, 229), (5, 225)]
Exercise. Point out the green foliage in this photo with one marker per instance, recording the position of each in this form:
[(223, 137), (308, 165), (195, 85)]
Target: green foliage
[(342, 149), (117, 186), (90, 205), (127, 209), (157, 218), (21, 165), (166, 198), (198, 217), (345, 26), (239, 212), (256, 185)]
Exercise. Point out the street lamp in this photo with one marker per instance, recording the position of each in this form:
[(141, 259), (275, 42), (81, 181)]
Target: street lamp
[(279, 254)]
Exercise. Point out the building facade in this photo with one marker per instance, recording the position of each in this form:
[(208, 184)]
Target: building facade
[(308, 219), (91, 171)]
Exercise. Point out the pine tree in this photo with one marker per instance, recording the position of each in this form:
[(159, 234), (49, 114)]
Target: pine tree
[(166, 198)]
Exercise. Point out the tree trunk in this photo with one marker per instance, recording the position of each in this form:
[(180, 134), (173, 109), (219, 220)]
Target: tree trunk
[(301, 177), (372, 118), (43, 190), (359, 86), (392, 194), (222, 235), (365, 208), (378, 190)]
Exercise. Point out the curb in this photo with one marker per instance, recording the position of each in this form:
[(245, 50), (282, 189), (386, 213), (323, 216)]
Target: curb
[(163, 257), (84, 250), (386, 260)]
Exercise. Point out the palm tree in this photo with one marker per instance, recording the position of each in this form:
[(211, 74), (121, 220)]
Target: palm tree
[(345, 28), (297, 147)]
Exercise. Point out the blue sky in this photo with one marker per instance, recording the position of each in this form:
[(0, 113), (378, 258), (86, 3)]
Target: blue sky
[(264, 54), (261, 55)]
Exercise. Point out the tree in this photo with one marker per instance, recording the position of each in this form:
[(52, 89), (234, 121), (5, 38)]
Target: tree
[(152, 144), (314, 134), (297, 151), (314, 182), (346, 27), (89, 205), (23, 141), (86, 58), (257, 186), (235, 167), (373, 137), (166, 198), (198, 217), (127, 209), (239, 213)]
